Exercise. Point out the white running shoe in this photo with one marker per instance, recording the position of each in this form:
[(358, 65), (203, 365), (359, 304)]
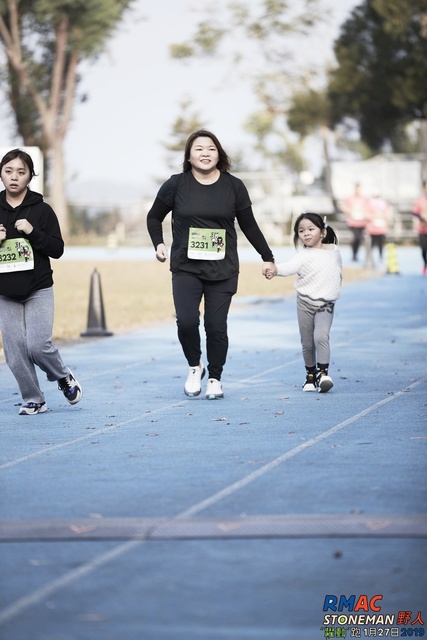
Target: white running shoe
[(214, 389), (310, 383), (31, 408), (324, 382), (192, 385)]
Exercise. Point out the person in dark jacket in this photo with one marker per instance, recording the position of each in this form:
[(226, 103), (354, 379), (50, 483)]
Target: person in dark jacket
[(29, 236), (205, 200)]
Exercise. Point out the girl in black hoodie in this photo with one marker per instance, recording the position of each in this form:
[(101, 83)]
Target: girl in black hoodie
[(29, 236)]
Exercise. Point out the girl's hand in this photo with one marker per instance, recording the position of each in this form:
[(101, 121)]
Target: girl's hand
[(269, 270), (23, 226), (161, 253)]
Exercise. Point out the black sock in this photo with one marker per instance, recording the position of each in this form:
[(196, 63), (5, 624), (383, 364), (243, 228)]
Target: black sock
[(323, 367)]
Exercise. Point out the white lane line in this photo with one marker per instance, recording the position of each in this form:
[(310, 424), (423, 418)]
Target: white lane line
[(38, 595), (93, 434), (90, 435), (53, 587), (236, 486), (8, 400), (261, 374)]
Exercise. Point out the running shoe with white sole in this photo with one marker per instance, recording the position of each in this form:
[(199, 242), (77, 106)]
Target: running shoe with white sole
[(324, 382), (193, 385), (70, 388), (310, 383), (214, 389), (31, 408)]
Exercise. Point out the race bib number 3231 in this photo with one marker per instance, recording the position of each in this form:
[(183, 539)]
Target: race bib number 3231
[(206, 244)]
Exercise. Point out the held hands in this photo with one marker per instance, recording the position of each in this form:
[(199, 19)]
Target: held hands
[(161, 253), (23, 226), (269, 270)]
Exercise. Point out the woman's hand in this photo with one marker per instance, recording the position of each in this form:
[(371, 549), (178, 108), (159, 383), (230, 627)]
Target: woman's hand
[(23, 226), (161, 253), (2, 233), (269, 270)]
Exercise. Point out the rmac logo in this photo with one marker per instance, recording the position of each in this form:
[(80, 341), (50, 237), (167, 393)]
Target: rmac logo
[(363, 603)]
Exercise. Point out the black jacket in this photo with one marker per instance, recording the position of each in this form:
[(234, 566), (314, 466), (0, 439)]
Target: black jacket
[(45, 239)]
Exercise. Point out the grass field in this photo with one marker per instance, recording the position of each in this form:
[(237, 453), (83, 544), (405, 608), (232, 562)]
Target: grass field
[(134, 293), (139, 293)]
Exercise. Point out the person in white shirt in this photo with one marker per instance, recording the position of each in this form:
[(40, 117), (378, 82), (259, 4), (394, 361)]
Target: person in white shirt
[(319, 269)]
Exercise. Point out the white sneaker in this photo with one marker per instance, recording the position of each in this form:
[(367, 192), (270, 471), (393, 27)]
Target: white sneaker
[(324, 382), (31, 408), (192, 385), (214, 389)]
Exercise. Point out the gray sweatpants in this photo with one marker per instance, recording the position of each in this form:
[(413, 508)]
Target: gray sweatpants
[(26, 327), (315, 322)]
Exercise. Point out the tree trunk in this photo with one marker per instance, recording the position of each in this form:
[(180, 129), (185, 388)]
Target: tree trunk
[(325, 131), (423, 144), (56, 190)]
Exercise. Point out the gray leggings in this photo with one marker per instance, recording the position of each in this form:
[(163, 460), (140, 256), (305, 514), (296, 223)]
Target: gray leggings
[(314, 325), (26, 327)]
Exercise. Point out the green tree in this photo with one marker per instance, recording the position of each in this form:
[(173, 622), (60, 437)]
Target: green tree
[(310, 112), (268, 25), (185, 123), (263, 41), (381, 77), (44, 42), (283, 152)]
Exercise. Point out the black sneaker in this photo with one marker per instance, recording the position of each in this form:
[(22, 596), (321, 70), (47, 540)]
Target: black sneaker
[(324, 382), (310, 383), (31, 408), (70, 388)]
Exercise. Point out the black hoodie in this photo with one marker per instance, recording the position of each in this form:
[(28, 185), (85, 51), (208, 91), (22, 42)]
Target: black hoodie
[(45, 239)]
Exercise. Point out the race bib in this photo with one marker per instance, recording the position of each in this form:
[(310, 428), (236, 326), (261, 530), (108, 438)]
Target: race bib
[(16, 255), (357, 213), (206, 244)]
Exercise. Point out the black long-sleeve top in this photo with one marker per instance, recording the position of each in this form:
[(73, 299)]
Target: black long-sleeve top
[(215, 206)]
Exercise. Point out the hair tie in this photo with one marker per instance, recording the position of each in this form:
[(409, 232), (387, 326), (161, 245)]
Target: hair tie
[(325, 224)]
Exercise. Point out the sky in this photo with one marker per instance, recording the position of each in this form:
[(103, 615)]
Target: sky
[(115, 147)]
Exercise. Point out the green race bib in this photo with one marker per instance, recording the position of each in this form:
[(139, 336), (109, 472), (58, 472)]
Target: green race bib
[(16, 254), (206, 244)]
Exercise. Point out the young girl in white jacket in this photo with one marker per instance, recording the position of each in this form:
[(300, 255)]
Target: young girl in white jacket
[(319, 269)]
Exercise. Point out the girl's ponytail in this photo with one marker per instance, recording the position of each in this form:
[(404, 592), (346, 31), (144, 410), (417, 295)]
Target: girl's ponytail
[(330, 237)]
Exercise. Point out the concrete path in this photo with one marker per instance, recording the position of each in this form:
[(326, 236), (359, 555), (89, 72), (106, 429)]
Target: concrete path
[(140, 514)]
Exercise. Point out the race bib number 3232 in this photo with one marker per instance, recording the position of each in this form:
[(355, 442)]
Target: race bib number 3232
[(16, 254)]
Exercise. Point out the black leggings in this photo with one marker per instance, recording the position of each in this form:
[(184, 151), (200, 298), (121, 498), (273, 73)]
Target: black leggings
[(423, 245), (188, 291), (357, 240), (378, 241)]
